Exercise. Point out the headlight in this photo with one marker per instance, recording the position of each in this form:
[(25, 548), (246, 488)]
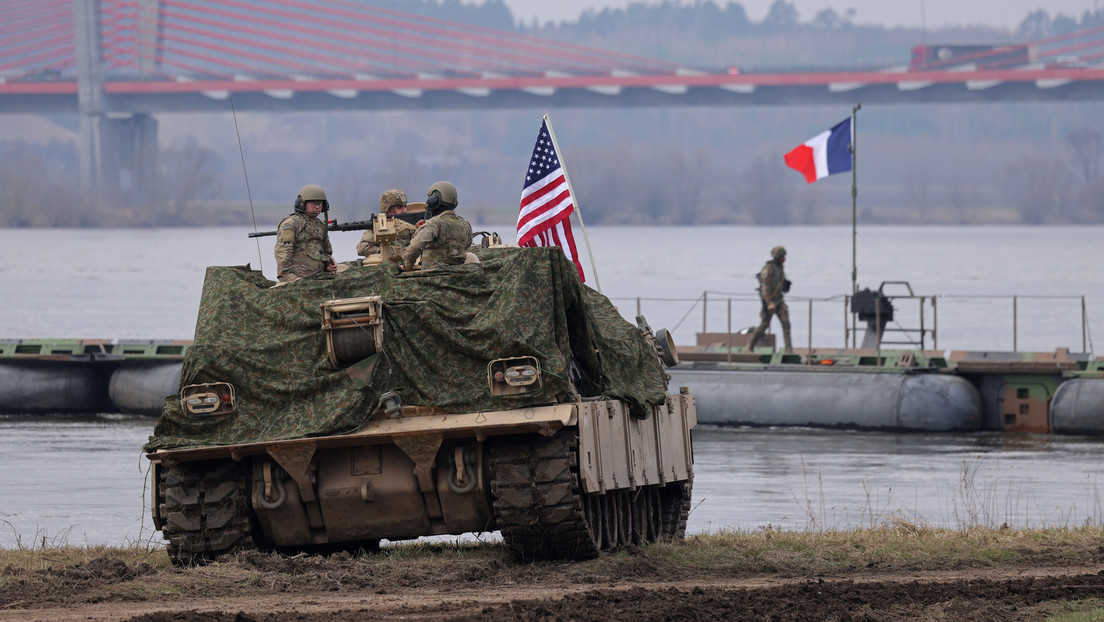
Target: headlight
[(514, 376), (206, 400), (521, 376)]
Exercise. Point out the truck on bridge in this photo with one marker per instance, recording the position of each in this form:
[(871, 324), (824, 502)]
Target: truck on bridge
[(984, 56)]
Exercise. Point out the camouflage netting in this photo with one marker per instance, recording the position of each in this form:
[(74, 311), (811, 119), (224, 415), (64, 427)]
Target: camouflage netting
[(441, 329)]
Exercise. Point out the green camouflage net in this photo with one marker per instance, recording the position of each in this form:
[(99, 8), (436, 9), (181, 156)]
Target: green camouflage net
[(441, 329)]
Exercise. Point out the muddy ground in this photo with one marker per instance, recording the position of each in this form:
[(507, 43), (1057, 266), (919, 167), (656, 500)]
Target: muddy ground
[(446, 585)]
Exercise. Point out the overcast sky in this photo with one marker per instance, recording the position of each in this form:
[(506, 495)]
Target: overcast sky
[(999, 13)]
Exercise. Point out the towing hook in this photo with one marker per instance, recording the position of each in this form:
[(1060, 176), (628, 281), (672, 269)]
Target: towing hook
[(461, 481), (264, 497)]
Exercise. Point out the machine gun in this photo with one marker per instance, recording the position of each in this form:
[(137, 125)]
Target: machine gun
[(876, 309), (358, 225), (415, 212)]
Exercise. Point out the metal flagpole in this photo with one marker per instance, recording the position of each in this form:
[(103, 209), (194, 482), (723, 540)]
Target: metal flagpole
[(578, 212), (854, 198), (854, 212)]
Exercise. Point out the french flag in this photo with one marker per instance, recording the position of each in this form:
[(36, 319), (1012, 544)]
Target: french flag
[(825, 154)]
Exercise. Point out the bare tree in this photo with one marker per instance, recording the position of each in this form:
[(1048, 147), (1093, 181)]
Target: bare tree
[(1039, 188), (1090, 202), (603, 192), (768, 192), (961, 195), (689, 174), (20, 190), (187, 173), (401, 169), (918, 184), (352, 193), (1086, 147), (39, 190)]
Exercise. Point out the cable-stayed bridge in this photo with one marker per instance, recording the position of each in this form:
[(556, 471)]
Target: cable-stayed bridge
[(120, 62)]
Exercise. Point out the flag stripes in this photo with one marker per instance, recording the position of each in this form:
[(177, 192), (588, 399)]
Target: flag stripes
[(546, 202)]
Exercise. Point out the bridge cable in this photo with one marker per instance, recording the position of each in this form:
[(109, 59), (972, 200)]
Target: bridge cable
[(234, 112)]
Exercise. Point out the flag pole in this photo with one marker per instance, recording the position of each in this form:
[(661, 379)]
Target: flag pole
[(578, 211), (854, 212)]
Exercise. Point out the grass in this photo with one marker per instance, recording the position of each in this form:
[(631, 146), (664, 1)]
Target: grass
[(71, 576), (44, 551), (1088, 610), (902, 547), (42, 558)]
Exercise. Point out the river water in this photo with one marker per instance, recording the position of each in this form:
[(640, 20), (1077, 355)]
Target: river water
[(83, 480)]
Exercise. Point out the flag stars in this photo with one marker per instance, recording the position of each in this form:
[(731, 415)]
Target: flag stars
[(546, 202), (544, 159)]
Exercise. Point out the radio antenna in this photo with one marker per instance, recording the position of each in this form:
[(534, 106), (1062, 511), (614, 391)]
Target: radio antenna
[(234, 112)]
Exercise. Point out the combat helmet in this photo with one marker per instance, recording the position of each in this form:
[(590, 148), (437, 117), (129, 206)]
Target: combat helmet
[(441, 195), (778, 252), (392, 198), (311, 192)]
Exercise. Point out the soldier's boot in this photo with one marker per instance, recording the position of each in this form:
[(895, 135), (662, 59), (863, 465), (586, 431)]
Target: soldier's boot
[(755, 337), (764, 324), (784, 318)]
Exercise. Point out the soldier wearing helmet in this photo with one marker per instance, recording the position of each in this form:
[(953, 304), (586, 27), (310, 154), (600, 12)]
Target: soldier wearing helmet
[(392, 202), (772, 284), (444, 239), (302, 242)]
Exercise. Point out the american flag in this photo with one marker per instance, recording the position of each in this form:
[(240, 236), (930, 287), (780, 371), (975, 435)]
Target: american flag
[(546, 202)]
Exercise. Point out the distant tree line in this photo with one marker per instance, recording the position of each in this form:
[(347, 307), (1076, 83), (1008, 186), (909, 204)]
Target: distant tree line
[(1055, 189), (690, 188), (708, 18), (487, 14), (681, 167), (616, 183), (40, 187)]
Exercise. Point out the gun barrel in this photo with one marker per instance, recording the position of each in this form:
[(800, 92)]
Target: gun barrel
[(358, 225)]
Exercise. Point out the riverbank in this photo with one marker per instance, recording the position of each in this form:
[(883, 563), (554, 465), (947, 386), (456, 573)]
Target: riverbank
[(896, 572)]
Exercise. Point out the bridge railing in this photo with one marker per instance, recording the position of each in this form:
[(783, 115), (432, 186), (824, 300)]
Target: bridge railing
[(982, 322)]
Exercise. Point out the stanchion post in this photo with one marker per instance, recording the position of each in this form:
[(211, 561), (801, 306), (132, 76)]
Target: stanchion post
[(705, 305), (810, 329), (1015, 331), (728, 342)]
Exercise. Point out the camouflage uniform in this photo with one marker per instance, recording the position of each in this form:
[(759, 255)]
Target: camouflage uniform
[(771, 279), (404, 231), (302, 247), (389, 200), (444, 240)]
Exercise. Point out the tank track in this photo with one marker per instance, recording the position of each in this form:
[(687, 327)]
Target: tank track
[(543, 513), (676, 509), (205, 510)]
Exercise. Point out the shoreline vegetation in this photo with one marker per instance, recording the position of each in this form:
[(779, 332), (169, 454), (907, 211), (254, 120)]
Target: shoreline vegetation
[(895, 571), (897, 544), (266, 216)]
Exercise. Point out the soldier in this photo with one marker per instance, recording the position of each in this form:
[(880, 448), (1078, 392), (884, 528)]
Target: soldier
[(772, 284), (391, 202), (302, 242), (444, 239)]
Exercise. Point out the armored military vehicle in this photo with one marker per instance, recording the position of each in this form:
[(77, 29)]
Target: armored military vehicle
[(344, 409)]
